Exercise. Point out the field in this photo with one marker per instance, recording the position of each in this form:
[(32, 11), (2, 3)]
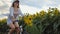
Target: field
[(40, 23)]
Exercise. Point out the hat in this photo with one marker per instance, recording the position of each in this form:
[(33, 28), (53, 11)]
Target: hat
[(15, 1)]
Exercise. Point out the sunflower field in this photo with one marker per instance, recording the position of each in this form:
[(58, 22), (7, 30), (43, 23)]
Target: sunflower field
[(43, 22)]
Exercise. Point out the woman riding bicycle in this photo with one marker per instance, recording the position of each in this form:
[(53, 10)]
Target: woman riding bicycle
[(12, 21)]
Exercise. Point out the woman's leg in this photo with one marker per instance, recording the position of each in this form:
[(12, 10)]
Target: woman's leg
[(11, 25), (17, 27)]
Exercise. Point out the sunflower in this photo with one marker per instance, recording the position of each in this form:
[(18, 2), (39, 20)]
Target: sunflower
[(28, 20)]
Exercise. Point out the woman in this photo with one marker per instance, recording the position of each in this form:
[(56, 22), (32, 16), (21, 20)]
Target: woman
[(12, 21)]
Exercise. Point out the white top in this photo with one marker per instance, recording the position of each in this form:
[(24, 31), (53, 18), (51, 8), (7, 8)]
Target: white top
[(12, 10), (12, 13)]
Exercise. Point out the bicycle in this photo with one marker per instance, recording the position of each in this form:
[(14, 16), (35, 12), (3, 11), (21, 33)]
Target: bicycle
[(22, 30)]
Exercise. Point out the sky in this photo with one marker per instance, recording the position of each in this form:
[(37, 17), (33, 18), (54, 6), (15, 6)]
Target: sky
[(28, 6)]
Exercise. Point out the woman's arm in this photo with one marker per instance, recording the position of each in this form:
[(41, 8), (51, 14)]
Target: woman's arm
[(11, 11), (11, 14), (20, 13)]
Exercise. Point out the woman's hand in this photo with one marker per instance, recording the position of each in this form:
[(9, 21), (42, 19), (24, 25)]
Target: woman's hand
[(13, 19)]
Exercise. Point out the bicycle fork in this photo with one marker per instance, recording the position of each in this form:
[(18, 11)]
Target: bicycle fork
[(21, 29)]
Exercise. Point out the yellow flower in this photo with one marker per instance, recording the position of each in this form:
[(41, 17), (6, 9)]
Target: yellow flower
[(37, 13), (56, 12), (42, 13), (28, 20)]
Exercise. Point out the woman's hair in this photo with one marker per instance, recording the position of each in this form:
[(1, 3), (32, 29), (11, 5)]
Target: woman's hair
[(15, 2)]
